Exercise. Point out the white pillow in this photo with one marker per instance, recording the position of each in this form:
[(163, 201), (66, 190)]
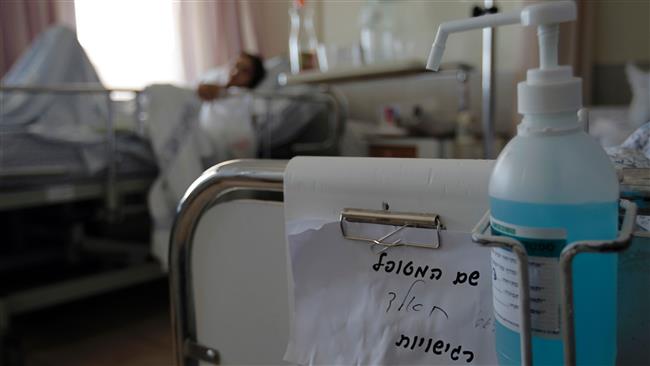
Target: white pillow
[(640, 84), (217, 75), (274, 67)]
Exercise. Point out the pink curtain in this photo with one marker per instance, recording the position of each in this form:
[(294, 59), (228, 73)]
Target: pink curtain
[(214, 32), (22, 20)]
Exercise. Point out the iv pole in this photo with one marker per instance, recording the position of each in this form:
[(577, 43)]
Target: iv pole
[(487, 113)]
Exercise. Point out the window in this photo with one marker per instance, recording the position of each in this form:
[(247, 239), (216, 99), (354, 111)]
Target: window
[(131, 43)]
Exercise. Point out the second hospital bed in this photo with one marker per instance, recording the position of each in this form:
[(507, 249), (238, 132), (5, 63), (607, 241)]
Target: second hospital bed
[(230, 295)]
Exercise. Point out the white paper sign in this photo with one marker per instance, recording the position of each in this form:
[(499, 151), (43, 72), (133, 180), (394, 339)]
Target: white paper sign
[(354, 305)]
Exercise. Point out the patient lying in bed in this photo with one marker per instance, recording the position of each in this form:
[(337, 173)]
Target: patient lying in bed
[(189, 135), (247, 73)]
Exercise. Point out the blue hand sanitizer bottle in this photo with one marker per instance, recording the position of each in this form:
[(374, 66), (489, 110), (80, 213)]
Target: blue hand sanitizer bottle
[(551, 185)]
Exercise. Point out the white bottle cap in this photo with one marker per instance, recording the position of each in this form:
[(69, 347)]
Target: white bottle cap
[(552, 90)]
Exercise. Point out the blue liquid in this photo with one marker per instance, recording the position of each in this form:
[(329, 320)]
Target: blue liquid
[(594, 282)]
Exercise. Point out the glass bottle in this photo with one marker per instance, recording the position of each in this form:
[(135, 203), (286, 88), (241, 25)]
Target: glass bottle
[(303, 44), (377, 36)]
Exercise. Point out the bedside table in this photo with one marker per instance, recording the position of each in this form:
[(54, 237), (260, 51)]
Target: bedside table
[(410, 147)]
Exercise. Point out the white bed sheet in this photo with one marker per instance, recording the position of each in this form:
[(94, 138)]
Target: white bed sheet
[(610, 124)]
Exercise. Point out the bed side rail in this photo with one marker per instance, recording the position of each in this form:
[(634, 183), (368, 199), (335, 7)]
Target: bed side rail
[(212, 186), (324, 95)]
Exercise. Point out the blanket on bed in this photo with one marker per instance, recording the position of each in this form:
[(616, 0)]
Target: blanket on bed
[(187, 137), (59, 130), (54, 58)]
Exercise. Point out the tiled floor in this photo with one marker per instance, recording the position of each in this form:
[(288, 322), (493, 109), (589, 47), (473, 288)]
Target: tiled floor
[(126, 328)]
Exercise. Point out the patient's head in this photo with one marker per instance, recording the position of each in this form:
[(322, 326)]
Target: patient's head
[(247, 72)]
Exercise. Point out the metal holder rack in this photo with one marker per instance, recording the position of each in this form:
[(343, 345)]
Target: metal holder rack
[(569, 252)]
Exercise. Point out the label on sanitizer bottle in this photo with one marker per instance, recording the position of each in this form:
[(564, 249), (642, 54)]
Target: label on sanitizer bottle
[(543, 246)]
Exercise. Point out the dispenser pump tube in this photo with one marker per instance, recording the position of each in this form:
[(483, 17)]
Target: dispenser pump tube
[(547, 36)]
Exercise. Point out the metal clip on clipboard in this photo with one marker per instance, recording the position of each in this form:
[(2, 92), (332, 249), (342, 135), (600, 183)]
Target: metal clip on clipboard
[(569, 252), (400, 219)]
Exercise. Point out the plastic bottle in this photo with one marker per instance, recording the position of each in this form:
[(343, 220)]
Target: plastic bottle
[(549, 190), (551, 185), (303, 44)]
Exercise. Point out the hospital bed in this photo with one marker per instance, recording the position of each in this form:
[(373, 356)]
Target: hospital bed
[(230, 232), (40, 179)]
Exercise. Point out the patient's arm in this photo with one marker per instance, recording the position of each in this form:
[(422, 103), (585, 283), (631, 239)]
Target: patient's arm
[(209, 91)]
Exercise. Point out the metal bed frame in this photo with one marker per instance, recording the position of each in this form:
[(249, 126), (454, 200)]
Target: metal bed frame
[(212, 187), (324, 95), (215, 185), (111, 187)]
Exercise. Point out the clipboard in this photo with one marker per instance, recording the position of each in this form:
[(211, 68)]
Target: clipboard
[(401, 220)]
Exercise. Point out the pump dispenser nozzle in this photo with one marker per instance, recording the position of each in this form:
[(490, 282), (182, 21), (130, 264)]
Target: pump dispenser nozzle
[(546, 15), (462, 25), (550, 88)]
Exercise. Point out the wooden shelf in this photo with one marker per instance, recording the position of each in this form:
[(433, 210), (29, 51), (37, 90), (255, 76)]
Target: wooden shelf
[(347, 74)]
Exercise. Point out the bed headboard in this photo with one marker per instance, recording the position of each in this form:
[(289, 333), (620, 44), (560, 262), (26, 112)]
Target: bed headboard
[(610, 86)]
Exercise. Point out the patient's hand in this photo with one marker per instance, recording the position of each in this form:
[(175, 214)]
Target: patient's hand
[(208, 91)]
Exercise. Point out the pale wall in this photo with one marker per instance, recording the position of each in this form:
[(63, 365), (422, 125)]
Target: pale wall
[(274, 26), (622, 31), (622, 28), (418, 21)]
